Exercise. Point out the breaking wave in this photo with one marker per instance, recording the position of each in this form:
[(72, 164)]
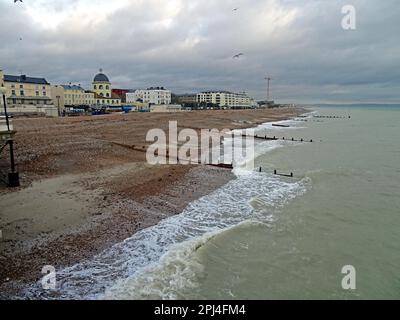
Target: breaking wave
[(160, 260)]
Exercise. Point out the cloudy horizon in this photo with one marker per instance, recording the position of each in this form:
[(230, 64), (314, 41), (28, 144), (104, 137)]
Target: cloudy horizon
[(188, 46)]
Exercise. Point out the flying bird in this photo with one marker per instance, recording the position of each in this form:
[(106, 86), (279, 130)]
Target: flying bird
[(236, 9), (237, 56), (15, 1)]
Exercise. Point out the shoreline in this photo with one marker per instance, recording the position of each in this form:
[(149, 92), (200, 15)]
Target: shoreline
[(116, 201)]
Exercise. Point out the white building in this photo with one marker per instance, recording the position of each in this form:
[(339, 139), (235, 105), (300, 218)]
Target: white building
[(157, 96), (225, 99)]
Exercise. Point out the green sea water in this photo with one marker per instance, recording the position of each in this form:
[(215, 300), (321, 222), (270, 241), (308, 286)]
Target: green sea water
[(267, 237), (350, 215)]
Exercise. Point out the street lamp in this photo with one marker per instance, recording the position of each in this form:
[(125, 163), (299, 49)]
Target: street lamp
[(13, 176), (3, 91), (58, 106)]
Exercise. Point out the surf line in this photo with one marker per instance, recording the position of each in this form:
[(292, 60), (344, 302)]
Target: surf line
[(171, 311)]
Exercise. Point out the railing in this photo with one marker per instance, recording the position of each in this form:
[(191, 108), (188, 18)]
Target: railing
[(7, 162)]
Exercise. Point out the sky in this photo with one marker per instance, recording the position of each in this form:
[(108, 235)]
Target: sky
[(188, 46)]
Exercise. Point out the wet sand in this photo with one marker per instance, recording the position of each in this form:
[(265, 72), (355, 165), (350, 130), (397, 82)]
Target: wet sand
[(82, 192)]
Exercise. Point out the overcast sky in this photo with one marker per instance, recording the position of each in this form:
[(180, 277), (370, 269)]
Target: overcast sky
[(188, 45)]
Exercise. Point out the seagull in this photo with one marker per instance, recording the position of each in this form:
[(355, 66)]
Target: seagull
[(15, 1), (237, 56), (236, 9)]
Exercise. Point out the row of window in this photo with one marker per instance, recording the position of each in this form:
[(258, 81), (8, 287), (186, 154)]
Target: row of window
[(34, 102), (70, 102), (21, 86), (22, 93), (101, 87), (104, 102), (79, 96)]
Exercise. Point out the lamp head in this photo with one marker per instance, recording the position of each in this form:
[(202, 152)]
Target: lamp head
[(3, 90)]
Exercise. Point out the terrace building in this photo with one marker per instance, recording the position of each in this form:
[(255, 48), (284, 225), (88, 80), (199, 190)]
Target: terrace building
[(225, 99), (71, 96), (28, 95), (152, 96)]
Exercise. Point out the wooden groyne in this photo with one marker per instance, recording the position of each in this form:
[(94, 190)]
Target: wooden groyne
[(276, 139), (332, 117), (307, 120), (276, 173), (291, 175), (168, 156)]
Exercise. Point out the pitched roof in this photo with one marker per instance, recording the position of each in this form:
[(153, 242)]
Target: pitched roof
[(24, 79), (72, 87)]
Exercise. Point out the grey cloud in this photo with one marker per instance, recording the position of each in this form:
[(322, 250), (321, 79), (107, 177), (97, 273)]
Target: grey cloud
[(300, 43)]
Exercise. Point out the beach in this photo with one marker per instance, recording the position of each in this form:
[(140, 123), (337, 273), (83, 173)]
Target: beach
[(85, 189)]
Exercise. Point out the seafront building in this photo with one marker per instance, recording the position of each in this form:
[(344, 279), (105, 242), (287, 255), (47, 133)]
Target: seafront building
[(103, 94), (187, 98), (151, 96), (120, 93), (225, 99), (71, 96), (77, 96), (28, 95)]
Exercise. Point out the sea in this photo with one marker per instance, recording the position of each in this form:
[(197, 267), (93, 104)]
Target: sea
[(265, 236)]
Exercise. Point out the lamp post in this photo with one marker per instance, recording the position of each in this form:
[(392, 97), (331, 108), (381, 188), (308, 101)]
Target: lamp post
[(3, 92), (58, 106), (13, 176)]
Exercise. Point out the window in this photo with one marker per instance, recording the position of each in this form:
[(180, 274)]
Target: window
[(37, 93), (108, 95), (95, 87), (13, 86), (44, 93), (13, 92), (101, 87), (21, 92), (107, 87), (44, 88), (21, 86)]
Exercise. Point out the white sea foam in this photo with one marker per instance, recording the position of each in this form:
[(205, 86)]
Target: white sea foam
[(159, 260), (293, 125), (176, 271)]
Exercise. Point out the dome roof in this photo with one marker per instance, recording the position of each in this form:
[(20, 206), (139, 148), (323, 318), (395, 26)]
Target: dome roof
[(101, 77)]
